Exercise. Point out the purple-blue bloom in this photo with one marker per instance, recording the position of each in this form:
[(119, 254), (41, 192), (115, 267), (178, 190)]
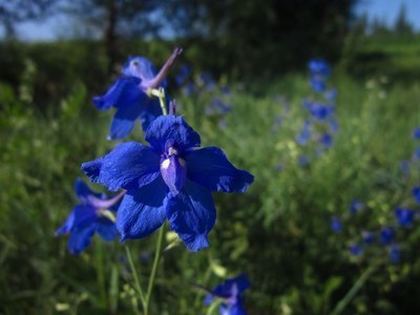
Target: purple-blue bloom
[(320, 111), (395, 254), (355, 249), (387, 235), (326, 140), (336, 224), (416, 193), (405, 217), (230, 292), (88, 217), (319, 67), (355, 206), (304, 134), (128, 95), (172, 179), (416, 133)]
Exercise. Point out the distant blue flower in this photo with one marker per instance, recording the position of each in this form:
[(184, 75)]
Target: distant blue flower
[(320, 111), (331, 95), (326, 140), (304, 134), (333, 125), (404, 216), (355, 249), (230, 292), (416, 133), (368, 237), (183, 74), (319, 67), (88, 217), (318, 84), (355, 206), (416, 155), (217, 107), (395, 254), (387, 235), (128, 95), (336, 224), (416, 193), (172, 180)]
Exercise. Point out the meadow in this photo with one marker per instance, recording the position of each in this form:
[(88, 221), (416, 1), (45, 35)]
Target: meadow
[(279, 233)]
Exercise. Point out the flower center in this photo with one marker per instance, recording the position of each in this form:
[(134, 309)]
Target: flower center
[(173, 170)]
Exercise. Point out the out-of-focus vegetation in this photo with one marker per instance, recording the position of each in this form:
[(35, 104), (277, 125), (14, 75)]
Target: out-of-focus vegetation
[(278, 233)]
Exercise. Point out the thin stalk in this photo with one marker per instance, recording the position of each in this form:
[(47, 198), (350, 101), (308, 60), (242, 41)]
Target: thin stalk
[(135, 276), (101, 273), (342, 304), (152, 279)]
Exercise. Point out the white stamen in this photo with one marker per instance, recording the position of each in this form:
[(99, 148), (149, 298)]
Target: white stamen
[(165, 164)]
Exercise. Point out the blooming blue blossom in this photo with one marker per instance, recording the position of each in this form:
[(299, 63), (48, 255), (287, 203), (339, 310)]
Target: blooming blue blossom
[(304, 134), (404, 216), (326, 140), (319, 67), (89, 216), (355, 206), (172, 179), (336, 224), (387, 235), (320, 111), (128, 95), (230, 292), (394, 254), (416, 133), (355, 249), (416, 193)]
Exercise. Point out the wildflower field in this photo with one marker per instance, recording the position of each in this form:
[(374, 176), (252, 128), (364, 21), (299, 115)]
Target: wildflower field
[(166, 186)]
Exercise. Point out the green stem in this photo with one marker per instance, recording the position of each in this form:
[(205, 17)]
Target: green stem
[(152, 279), (162, 101), (342, 304), (101, 273), (135, 276)]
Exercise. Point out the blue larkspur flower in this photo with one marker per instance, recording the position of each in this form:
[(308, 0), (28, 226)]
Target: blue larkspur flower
[(368, 237), (230, 292), (320, 111), (304, 134), (355, 249), (355, 206), (88, 217), (416, 133), (394, 254), (336, 225), (326, 140), (172, 179), (318, 84), (319, 66), (387, 235), (405, 217), (416, 193), (128, 94)]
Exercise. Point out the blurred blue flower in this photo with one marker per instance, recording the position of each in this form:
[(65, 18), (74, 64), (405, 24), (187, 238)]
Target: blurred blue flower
[(416, 193), (217, 107), (416, 133), (128, 95), (404, 216), (395, 254), (171, 179), (331, 95), (416, 155), (320, 111), (387, 235), (304, 134), (355, 249), (89, 216), (355, 206), (326, 140), (318, 84), (336, 224), (319, 66), (368, 237), (230, 292), (333, 125)]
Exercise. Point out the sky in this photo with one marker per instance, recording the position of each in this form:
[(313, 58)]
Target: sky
[(385, 10)]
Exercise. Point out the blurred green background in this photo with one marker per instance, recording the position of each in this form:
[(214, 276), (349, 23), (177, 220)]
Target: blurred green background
[(279, 231)]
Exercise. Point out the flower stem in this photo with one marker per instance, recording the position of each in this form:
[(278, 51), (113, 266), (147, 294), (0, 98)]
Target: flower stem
[(342, 304), (158, 254), (135, 276)]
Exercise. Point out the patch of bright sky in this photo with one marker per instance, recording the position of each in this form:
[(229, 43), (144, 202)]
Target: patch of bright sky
[(57, 27)]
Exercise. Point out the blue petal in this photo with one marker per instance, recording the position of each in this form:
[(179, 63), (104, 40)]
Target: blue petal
[(129, 165), (173, 131), (80, 217), (142, 211), (139, 67), (80, 238), (151, 111), (106, 229), (234, 309), (192, 215), (83, 191), (124, 91), (125, 119), (232, 287), (210, 167)]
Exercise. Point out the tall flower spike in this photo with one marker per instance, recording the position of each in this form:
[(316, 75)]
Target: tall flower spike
[(129, 96), (172, 179), (94, 213)]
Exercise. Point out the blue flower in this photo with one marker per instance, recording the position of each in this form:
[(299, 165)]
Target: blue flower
[(172, 180), (319, 67), (355, 206), (88, 217), (355, 249), (305, 134), (404, 216), (416, 193), (320, 111), (318, 84), (368, 237), (336, 224), (387, 235), (416, 133), (326, 140), (394, 254), (416, 154), (230, 292), (128, 95)]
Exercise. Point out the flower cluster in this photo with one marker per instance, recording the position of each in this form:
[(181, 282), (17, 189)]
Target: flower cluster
[(321, 124)]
